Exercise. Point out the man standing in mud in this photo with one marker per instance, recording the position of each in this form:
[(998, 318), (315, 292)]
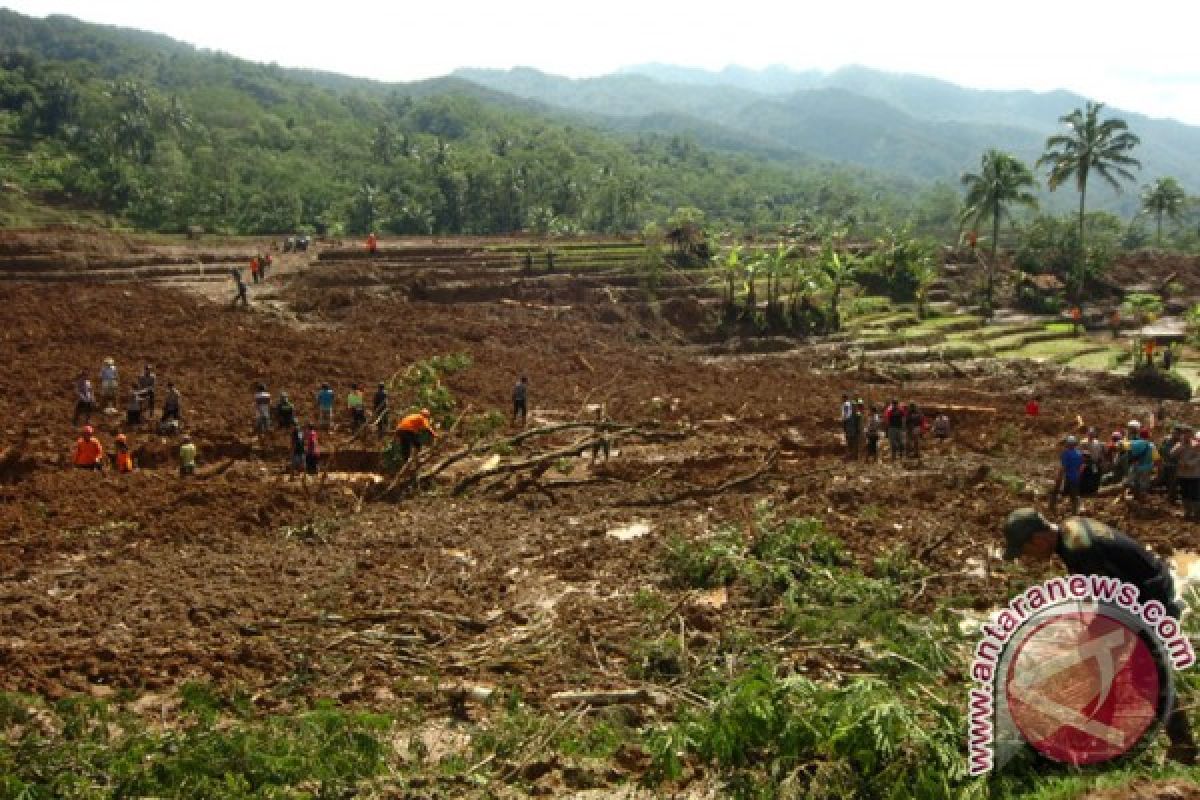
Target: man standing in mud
[(241, 289), (85, 398), (379, 408), (893, 416), (147, 381), (520, 398), (1089, 547)]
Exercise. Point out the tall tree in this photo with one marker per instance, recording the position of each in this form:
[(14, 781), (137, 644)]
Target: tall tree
[(1002, 181), (1164, 196), (1089, 145)]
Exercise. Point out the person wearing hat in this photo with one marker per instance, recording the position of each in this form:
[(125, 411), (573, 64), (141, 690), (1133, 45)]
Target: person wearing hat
[(123, 458), (109, 384), (89, 453), (414, 431), (1090, 547), (187, 457), (1070, 472)]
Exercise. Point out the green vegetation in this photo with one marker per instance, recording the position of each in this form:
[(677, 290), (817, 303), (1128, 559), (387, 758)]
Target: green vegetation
[(1165, 198), (1090, 146), (1002, 181), (166, 137), (81, 748)]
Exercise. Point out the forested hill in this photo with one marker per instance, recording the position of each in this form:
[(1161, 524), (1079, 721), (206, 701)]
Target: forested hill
[(923, 128), (168, 136)]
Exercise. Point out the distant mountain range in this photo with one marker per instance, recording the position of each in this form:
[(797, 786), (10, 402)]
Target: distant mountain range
[(907, 125)]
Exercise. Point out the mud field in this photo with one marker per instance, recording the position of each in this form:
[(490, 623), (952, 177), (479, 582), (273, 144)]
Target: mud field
[(284, 587)]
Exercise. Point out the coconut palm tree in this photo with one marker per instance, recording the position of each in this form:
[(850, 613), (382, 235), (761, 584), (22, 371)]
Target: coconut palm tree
[(1002, 181), (1165, 196), (1089, 145)]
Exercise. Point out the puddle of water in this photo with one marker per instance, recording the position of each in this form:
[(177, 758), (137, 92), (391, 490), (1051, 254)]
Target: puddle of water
[(635, 530)]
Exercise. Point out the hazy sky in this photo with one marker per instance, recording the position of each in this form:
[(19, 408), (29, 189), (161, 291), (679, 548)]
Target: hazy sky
[(1135, 56)]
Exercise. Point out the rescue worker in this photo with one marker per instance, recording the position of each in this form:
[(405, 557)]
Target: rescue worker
[(89, 453), (1089, 547), (172, 404), (298, 447), (893, 416), (85, 399), (325, 398), (254, 275), (285, 412), (262, 409), (124, 458), (520, 399), (241, 289), (133, 409), (312, 450), (414, 431), (358, 411), (147, 382), (1141, 455), (109, 383), (372, 243), (379, 408), (1070, 473)]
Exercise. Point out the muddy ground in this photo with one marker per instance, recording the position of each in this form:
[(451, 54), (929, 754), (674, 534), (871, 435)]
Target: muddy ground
[(251, 578)]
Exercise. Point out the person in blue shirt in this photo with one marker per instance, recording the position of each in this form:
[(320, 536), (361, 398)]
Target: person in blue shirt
[(325, 398), (1070, 472), (1141, 462)]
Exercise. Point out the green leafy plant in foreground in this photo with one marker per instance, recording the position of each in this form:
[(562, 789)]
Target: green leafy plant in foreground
[(85, 748)]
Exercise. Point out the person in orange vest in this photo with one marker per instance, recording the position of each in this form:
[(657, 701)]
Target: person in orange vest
[(124, 458), (1148, 349), (89, 453), (372, 243), (254, 269), (1076, 318), (414, 431)]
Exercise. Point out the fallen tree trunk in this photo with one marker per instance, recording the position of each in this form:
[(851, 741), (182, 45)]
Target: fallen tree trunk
[(578, 448)]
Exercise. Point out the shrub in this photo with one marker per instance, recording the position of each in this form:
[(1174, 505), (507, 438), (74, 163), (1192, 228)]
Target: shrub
[(1150, 381)]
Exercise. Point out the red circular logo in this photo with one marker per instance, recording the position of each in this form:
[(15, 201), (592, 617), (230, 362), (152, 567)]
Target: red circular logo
[(1083, 688)]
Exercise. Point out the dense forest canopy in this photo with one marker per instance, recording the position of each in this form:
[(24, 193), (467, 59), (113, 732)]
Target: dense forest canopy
[(168, 136)]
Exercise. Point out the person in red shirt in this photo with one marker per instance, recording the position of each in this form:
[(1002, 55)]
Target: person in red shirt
[(254, 269), (372, 243), (414, 431), (1034, 407), (89, 453)]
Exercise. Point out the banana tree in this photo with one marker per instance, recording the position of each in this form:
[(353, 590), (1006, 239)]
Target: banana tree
[(839, 269)]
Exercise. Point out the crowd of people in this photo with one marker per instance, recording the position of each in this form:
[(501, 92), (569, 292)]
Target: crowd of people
[(411, 433), (900, 425), (1131, 462)]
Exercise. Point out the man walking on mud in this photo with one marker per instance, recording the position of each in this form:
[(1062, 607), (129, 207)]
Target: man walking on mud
[(241, 289), (893, 416), (1089, 547)]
